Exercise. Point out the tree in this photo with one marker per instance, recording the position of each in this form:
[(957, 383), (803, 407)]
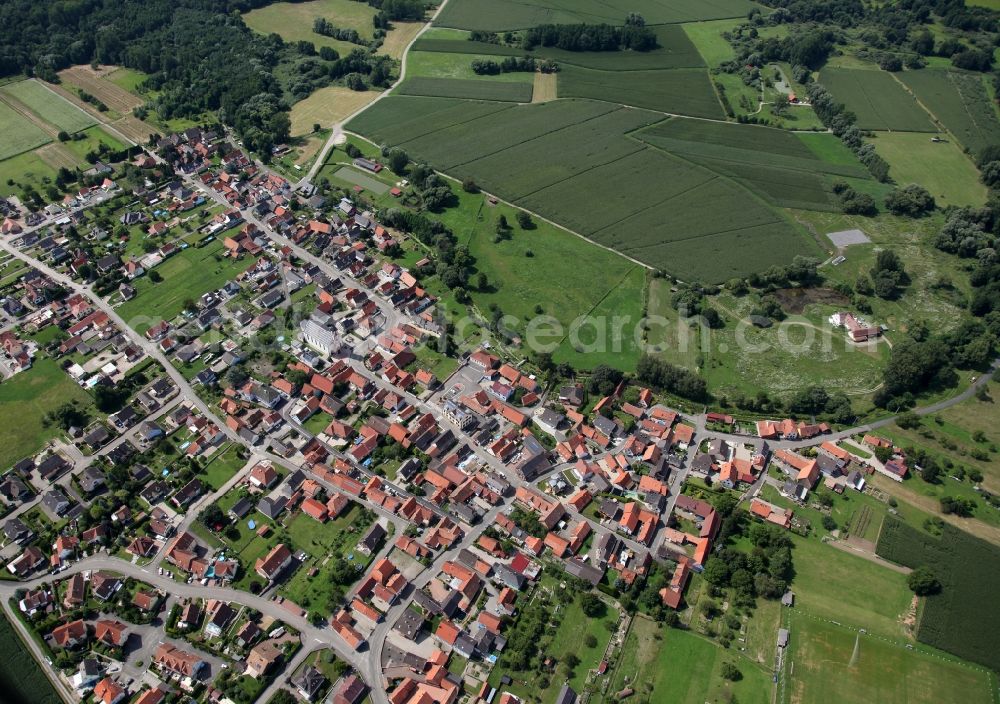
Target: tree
[(155, 276), (779, 106), (524, 220), (730, 672), (911, 200), (482, 283), (923, 582), (716, 572), (604, 379), (592, 605), (470, 186), (398, 160)]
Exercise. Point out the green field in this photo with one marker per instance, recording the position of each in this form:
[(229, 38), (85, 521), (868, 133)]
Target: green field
[(678, 91), (774, 163), (707, 37), (346, 173), (941, 167), (879, 100), (960, 102), (25, 398), (955, 620), (499, 15), (294, 21), (93, 137), (553, 158), (25, 168), (186, 275), (504, 91), (680, 667), (19, 133), (49, 106), (830, 663), (21, 676), (444, 64)]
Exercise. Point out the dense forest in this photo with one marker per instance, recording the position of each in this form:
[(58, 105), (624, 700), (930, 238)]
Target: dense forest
[(200, 55)]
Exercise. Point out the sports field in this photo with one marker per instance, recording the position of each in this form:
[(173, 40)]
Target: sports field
[(19, 133), (960, 102), (293, 21), (49, 106), (940, 167), (671, 665), (571, 161), (837, 664), (500, 15), (879, 100)]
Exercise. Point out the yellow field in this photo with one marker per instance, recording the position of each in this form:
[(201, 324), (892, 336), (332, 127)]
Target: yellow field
[(94, 81), (294, 21), (134, 128), (398, 38), (546, 88), (57, 156), (326, 107)]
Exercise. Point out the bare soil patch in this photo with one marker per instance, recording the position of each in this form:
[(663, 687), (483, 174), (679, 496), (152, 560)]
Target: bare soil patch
[(795, 300)]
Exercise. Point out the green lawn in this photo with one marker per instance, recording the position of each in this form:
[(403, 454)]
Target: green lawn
[(188, 274), (221, 468), (680, 667), (940, 167), (835, 664), (25, 399)]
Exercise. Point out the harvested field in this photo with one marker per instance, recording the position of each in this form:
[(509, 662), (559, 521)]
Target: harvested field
[(57, 156), (327, 106), (396, 41), (960, 102), (878, 100), (134, 128), (679, 91), (546, 87), (49, 106), (504, 91), (500, 15), (95, 82)]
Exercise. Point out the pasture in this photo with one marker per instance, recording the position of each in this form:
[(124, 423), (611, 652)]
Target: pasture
[(953, 620), (830, 663), (186, 275), (442, 64), (707, 38), (49, 106), (501, 15), (941, 167), (877, 98), (678, 91), (25, 399), (19, 133), (24, 169), (553, 158), (677, 666), (326, 107), (293, 21), (960, 101), (503, 91)]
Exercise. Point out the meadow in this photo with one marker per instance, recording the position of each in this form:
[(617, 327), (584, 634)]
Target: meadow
[(500, 15), (957, 619), (293, 21), (960, 102), (940, 167), (837, 664), (677, 91), (877, 98), (25, 399), (504, 91), (19, 133), (444, 64), (677, 666), (49, 106), (186, 275)]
